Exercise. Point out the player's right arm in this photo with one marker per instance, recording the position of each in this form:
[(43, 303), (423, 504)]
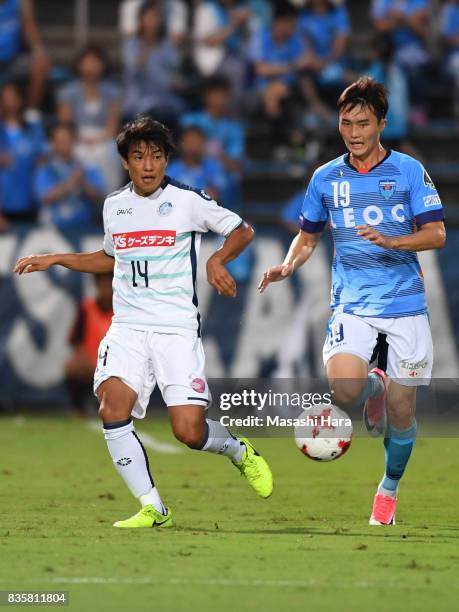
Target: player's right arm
[(300, 251), (97, 262)]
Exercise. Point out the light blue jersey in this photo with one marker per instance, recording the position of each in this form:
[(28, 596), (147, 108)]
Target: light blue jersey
[(393, 197)]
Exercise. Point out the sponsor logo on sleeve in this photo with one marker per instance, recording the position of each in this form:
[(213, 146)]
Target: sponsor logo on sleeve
[(432, 200), (428, 182), (145, 238), (198, 385)]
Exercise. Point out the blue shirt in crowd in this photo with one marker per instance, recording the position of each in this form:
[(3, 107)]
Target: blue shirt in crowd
[(223, 134), (401, 36), (10, 29), (209, 174), (23, 144), (232, 43), (72, 209), (149, 84), (450, 22), (89, 112), (394, 79), (321, 29), (292, 209), (265, 49)]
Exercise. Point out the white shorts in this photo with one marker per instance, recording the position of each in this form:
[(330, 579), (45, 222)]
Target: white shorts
[(410, 351), (143, 358)]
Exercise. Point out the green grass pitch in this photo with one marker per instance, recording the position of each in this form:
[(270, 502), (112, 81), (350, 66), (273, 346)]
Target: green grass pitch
[(307, 547)]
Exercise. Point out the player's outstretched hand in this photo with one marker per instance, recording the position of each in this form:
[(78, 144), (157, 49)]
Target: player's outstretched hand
[(373, 236), (34, 263), (277, 273), (219, 277)]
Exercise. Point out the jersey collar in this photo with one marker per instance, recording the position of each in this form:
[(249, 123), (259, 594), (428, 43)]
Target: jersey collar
[(155, 194), (347, 161)]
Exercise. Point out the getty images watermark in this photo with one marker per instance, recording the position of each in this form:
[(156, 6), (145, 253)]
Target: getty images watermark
[(319, 404), (271, 407)]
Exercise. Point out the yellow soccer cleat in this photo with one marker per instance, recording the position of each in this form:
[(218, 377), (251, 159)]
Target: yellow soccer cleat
[(255, 469), (148, 516)]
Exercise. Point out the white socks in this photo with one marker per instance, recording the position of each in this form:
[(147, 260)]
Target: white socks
[(131, 462), (153, 498), (219, 441)]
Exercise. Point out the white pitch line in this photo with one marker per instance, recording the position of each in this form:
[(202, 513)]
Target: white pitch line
[(230, 582), (148, 440)]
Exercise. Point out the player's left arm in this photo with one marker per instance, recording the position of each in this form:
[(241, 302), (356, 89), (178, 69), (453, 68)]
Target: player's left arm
[(426, 211), (217, 275), (208, 215), (429, 236)]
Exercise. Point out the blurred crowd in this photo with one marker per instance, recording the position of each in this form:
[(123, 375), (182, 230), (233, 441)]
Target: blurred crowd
[(211, 71), (217, 73)]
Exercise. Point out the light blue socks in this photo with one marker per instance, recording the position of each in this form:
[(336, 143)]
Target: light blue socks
[(398, 447)]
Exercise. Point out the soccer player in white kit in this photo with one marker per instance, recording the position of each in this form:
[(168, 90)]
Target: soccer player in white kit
[(152, 233)]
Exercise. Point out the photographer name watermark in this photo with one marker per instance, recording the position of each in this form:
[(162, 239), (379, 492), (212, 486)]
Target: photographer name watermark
[(320, 421)]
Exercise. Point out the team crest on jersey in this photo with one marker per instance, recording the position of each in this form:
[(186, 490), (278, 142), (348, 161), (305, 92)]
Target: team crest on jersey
[(165, 208), (387, 188)]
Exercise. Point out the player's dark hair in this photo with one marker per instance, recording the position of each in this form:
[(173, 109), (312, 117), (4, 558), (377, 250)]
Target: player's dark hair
[(144, 128), (150, 5), (285, 10), (217, 83), (196, 129), (331, 6), (19, 89), (62, 125), (366, 92), (96, 51)]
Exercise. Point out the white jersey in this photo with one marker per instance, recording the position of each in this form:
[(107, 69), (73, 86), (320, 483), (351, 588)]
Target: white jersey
[(155, 241)]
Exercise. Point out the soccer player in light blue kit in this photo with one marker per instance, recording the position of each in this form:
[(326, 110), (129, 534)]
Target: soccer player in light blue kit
[(382, 208)]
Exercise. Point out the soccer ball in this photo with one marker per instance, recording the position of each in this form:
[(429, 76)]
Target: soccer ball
[(324, 433)]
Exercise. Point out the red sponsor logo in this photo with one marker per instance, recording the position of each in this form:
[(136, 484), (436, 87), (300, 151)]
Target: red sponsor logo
[(145, 238), (198, 385)]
